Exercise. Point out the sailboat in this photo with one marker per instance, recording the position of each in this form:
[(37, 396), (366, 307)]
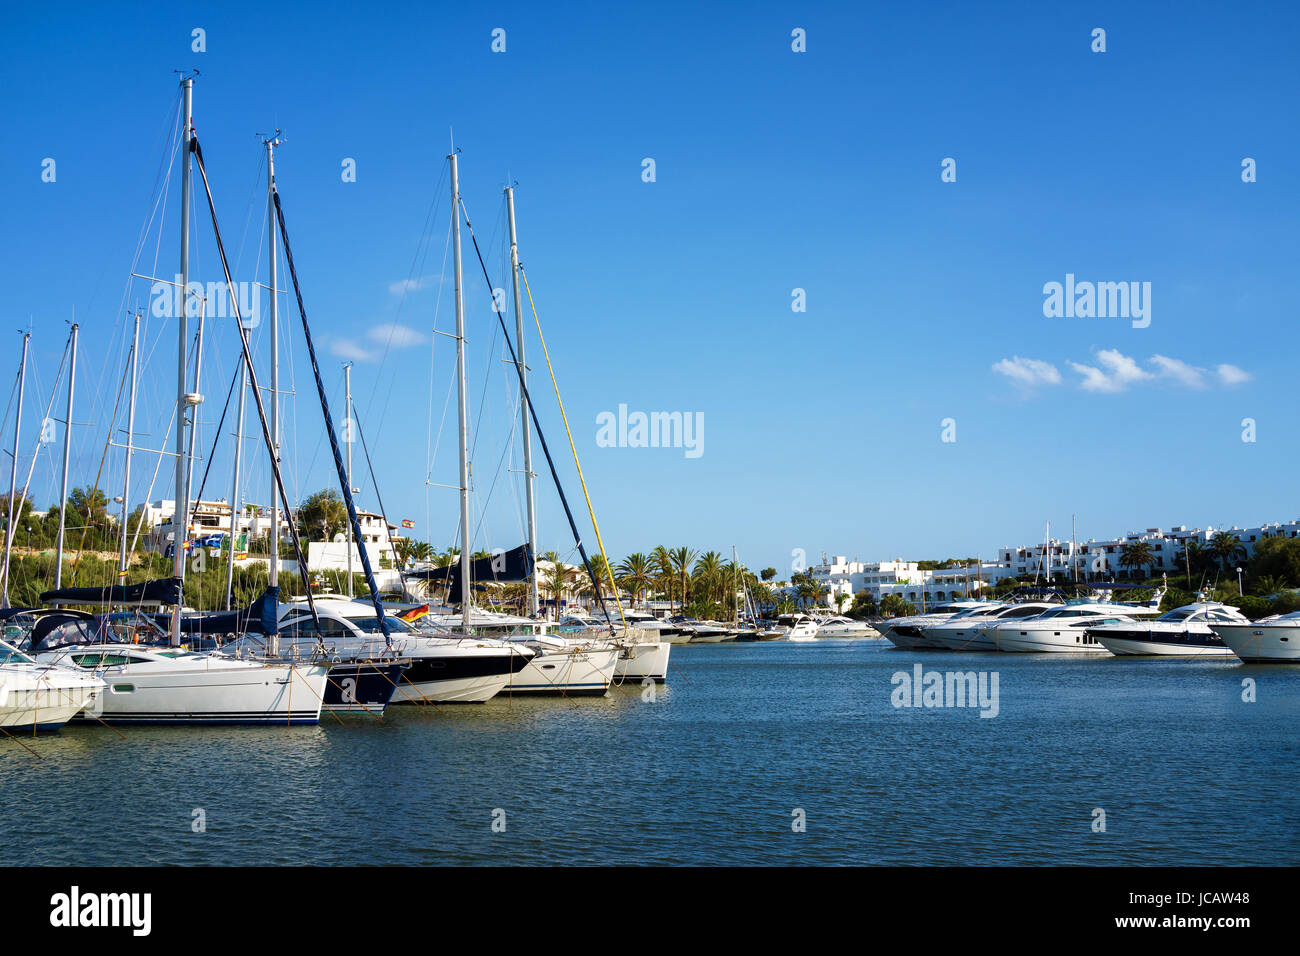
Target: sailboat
[(41, 698)]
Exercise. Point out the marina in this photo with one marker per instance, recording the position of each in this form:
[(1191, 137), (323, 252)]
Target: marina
[(1187, 772)]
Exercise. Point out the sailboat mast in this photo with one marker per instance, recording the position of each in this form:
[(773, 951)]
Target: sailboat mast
[(67, 448), (274, 574), (462, 410), (195, 399), (130, 449), (13, 471), (180, 513), (347, 438), (234, 491), (533, 588)]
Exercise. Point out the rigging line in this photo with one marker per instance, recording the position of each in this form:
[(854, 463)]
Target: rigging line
[(434, 204), (257, 395), (90, 494), (383, 514), (451, 379), (156, 468), (216, 439), (329, 422), (591, 510), (46, 417), (541, 438)]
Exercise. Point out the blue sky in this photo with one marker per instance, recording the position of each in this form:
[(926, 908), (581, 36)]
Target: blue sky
[(775, 170)]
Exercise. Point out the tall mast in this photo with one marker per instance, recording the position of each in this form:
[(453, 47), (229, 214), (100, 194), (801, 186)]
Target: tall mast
[(533, 588), (347, 437), (180, 515), (462, 410), (13, 471), (196, 398), (274, 577), (67, 447), (130, 449), (234, 491)]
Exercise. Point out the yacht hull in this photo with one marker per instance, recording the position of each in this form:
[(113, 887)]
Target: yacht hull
[(576, 672), (1261, 644), (1154, 646), (639, 662), (362, 687), (1064, 641), (36, 706), (274, 694)]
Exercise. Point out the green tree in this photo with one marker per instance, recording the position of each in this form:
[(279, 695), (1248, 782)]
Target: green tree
[(1137, 554), (322, 516), (636, 573), (1227, 549)]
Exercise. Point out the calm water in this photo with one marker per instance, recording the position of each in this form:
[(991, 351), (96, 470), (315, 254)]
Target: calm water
[(709, 772)]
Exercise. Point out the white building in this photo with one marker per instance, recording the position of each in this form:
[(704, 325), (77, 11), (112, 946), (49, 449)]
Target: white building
[(207, 518), (843, 578), (1096, 559)]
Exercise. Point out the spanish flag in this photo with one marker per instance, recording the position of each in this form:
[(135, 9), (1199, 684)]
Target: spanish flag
[(413, 614), (408, 523)]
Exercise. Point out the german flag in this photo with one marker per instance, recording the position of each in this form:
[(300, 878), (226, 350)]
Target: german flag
[(413, 614)]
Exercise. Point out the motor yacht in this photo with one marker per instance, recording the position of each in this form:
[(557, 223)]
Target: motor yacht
[(1062, 629), (1185, 631), (908, 633), (802, 628), (839, 626), (974, 632), (1272, 640)]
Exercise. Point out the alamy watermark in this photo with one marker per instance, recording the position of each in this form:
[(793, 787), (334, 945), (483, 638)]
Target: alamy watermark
[(922, 688), (651, 430), (1102, 300), (215, 300)]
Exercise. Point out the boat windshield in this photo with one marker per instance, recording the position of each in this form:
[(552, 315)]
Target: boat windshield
[(1178, 614), (11, 655), (370, 625)]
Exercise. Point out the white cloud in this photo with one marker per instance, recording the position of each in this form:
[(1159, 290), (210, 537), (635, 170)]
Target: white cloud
[(1232, 375), (1180, 371), (401, 336), (1027, 372), (350, 351), (411, 285), (1116, 374)]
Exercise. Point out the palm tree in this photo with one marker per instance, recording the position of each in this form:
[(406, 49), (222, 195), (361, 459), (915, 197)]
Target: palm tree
[(662, 563), (1136, 554), (557, 582), (1194, 557), (1270, 584), (1227, 548), (682, 559), (708, 572), (636, 574)]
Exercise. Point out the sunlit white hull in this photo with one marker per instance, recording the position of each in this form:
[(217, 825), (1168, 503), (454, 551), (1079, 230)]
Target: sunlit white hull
[(639, 662), (36, 699), (574, 672), (1066, 640), (1261, 643)]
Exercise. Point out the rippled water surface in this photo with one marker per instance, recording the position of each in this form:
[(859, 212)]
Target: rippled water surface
[(712, 770)]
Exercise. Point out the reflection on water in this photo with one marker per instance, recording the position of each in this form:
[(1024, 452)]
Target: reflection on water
[(708, 771)]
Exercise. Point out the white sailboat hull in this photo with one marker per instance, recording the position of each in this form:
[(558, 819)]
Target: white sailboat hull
[(572, 672), (41, 700), (648, 661)]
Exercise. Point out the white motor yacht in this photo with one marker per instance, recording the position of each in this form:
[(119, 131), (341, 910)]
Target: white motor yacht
[(839, 626), (802, 628), (1062, 629), (974, 632), (908, 633), (41, 698), (1272, 640), (1185, 631)]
